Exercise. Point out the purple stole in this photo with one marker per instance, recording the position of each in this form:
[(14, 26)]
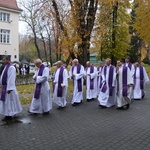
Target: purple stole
[(124, 79), (4, 82), (141, 77), (60, 81), (79, 81), (117, 69), (129, 65), (110, 80), (91, 80), (38, 86)]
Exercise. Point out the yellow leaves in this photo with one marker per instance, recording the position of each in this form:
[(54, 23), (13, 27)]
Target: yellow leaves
[(142, 24)]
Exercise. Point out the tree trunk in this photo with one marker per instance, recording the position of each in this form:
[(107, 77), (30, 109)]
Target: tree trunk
[(114, 22), (44, 45), (36, 45)]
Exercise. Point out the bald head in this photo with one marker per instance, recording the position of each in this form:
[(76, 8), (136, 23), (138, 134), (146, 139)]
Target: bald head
[(108, 61), (88, 63), (75, 62), (101, 64), (59, 63), (38, 63)]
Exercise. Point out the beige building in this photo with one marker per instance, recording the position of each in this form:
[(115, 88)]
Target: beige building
[(9, 35)]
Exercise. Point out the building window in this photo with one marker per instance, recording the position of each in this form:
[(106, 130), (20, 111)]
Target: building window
[(5, 17), (4, 36), (15, 56)]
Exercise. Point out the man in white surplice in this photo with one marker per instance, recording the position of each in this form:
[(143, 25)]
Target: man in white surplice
[(76, 73), (9, 100), (140, 77), (106, 96), (41, 102), (91, 82), (132, 69), (124, 82), (60, 82)]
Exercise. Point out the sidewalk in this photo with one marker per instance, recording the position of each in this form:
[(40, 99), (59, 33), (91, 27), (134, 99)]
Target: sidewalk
[(84, 127)]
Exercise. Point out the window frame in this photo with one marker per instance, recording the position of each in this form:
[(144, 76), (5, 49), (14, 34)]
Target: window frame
[(5, 36), (4, 17)]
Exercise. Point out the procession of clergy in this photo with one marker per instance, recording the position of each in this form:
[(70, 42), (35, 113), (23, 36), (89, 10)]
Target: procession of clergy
[(112, 86)]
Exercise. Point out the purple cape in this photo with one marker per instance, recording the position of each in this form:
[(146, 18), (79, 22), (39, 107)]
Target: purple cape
[(38, 86), (4, 82)]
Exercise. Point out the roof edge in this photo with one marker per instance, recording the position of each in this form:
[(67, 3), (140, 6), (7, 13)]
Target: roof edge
[(11, 9)]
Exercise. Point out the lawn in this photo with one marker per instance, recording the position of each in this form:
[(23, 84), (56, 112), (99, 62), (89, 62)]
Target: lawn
[(147, 67)]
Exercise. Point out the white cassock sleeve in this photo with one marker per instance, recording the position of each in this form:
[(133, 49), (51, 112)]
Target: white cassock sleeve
[(129, 77), (65, 77), (102, 75), (35, 74), (11, 78), (132, 70), (44, 77), (146, 78), (114, 78), (85, 72), (80, 75), (70, 73), (94, 74)]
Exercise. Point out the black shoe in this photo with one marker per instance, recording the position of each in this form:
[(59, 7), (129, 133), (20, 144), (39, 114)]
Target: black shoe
[(127, 106), (60, 107), (32, 113), (7, 118), (77, 103), (119, 108), (46, 113), (101, 106), (88, 100), (74, 104), (29, 112), (143, 96)]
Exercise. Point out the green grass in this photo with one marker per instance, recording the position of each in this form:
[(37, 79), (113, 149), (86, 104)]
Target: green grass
[(147, 67)]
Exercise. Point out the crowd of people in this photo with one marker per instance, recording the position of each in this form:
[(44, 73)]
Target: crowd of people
[(109, 84)]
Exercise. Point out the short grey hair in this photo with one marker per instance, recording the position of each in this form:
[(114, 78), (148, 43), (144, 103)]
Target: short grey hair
[(100, 62), (76, 60), (59, 61), (38, 61)]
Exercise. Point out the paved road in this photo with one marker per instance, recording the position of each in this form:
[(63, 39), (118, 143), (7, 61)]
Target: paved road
[(85, 127)]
